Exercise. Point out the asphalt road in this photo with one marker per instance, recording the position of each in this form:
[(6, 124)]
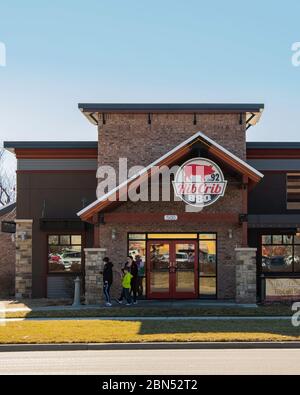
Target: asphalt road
[(252, 361)]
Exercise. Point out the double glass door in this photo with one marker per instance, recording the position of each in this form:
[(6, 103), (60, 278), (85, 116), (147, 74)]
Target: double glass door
[(173, 269)]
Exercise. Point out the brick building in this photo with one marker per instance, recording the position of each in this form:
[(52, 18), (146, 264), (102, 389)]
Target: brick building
[(231, 242)]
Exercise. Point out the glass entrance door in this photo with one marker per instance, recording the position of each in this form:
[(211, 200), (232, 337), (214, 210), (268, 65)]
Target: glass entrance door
[(173, 269)]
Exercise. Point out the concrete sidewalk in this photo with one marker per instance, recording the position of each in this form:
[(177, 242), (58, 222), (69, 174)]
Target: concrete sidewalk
[(34, 306)]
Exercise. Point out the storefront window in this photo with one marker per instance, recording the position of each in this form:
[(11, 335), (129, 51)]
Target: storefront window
[(207, 236), (280, 253), (64, 253), (207, 264), (277, 258), (207, 257), (207, 285), (137, 249)]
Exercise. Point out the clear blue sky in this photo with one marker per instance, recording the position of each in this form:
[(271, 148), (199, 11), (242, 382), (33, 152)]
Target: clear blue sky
[(62, 52)]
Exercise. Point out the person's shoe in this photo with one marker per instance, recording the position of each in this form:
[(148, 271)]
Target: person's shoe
[(135, 302), (108, 304), (119, 301), (128, 304)]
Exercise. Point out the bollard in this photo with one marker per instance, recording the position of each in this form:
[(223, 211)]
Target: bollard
[(76, 301)]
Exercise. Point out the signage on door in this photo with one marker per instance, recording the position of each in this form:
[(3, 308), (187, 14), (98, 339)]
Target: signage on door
[(199, 182)]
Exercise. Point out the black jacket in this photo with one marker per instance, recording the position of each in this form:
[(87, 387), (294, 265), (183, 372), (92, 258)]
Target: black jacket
[(134, 270), (108, 273)]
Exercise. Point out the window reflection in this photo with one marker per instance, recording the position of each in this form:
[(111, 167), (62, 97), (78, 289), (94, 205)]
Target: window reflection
[(137, 249), (207, 257), (277, 258), (64, 253)]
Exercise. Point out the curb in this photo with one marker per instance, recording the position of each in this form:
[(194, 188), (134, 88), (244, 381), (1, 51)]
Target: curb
[(148, 346)]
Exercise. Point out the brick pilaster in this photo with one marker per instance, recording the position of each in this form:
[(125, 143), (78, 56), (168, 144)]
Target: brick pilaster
[(245, 275)]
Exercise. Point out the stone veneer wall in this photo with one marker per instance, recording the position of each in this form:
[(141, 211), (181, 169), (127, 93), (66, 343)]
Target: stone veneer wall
[(93, 277), (23, 287), (245, 275)]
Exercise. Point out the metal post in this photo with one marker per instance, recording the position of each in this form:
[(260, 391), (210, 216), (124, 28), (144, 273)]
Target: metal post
[(76, 301)]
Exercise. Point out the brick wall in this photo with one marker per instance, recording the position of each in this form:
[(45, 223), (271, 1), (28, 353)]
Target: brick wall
[(130, 135), (7, 259)]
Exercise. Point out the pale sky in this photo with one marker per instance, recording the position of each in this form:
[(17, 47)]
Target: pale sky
[(62, 52)]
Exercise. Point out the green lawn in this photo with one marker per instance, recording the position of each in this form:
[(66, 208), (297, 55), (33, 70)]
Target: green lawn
[(82, 331), (136, 311)]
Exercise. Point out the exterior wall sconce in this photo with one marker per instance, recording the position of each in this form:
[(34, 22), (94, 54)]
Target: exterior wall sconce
[(113, 234), (230, 233)]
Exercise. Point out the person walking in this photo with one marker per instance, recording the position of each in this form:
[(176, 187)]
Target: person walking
[(107, 280), (126, 284)]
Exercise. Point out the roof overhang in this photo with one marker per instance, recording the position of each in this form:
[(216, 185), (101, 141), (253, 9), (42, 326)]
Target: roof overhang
[(169, 159), (92, 110)]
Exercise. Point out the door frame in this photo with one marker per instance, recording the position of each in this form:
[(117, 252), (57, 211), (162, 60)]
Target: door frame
[(172, 294)]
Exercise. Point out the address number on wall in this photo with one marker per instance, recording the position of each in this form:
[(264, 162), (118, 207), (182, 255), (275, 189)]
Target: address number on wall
[(171, 217)]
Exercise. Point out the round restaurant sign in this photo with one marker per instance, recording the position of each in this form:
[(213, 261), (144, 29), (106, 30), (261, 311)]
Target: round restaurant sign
[(199, 182)]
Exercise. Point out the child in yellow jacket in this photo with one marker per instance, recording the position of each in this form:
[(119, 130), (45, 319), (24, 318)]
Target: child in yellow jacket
[(126, 284)]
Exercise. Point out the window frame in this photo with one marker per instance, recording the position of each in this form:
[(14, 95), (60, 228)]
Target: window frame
[(291, 273)]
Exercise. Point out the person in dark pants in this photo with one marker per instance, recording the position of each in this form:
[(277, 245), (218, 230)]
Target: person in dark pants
[(141, 274), (134, 281), (107, 280)]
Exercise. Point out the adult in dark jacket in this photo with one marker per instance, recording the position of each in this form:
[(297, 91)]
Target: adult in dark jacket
[(134, 270), (107, 279)]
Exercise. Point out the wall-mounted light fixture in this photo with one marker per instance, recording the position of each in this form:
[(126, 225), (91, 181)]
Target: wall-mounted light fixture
[(113, 234), (230, 233)]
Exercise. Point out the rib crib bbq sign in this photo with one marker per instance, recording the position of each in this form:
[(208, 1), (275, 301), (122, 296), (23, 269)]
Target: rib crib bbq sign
[(199, 182)]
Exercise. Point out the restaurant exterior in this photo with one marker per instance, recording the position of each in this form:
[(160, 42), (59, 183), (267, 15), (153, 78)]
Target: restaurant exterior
[(211, 215)]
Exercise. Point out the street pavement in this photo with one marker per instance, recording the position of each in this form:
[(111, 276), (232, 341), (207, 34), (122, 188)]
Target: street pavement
[(149, 362)]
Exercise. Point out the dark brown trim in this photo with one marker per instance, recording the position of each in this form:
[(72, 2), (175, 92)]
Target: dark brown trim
[(273, 153), (57, 153), (183, 218), (55, 171)]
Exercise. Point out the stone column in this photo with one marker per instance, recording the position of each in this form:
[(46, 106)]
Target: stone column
[(23, 258), (245, 275), (93, 277)]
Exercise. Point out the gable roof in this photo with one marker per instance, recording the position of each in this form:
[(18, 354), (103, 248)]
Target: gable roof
[(169, 159)]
